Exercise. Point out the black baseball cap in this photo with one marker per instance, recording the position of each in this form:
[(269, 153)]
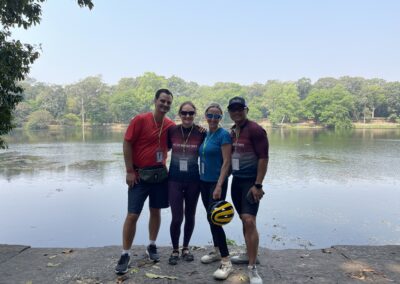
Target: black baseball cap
[(237, 101)]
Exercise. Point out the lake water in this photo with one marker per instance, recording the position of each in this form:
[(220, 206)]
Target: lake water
[(322, 188)]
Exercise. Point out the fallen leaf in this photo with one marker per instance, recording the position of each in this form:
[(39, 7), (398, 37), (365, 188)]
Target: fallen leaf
[(134, 270), (67, 251), (155, 276), (121, 279), (50, 264)]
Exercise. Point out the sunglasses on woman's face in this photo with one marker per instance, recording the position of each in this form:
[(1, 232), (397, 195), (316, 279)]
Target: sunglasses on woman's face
[(213, 115), (189, 113)]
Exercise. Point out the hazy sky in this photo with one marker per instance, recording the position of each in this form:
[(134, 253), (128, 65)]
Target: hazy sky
[(211, 41)]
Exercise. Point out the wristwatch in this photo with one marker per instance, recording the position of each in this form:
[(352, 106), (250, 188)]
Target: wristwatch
[(258, 185)]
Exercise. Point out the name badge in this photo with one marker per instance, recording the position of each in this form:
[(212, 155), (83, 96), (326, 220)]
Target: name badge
[(235, 162), (159, 156), (183, 165), (202, 168)]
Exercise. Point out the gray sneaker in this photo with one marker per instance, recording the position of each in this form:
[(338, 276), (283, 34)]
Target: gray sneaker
[(151, 251), (123, 264), (253, 275), (211, 257), (242, 258)]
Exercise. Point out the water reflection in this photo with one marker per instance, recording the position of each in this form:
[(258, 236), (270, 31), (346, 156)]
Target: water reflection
[(323, 188)]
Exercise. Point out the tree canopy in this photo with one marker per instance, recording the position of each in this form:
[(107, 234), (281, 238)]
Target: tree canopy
[(333, 103)]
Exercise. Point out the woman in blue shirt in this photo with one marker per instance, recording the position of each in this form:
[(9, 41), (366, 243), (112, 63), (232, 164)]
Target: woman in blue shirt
[(215, 162)]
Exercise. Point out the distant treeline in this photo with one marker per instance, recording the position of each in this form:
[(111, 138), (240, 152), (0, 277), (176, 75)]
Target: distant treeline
[(330, 102)]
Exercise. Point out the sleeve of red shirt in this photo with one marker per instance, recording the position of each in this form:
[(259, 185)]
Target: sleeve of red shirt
[(260, 142), (133, 130)]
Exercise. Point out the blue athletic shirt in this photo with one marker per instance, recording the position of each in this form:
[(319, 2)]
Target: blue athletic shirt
[(212, 156)]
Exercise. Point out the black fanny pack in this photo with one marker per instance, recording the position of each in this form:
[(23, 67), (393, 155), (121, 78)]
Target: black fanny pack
[(156, 174)]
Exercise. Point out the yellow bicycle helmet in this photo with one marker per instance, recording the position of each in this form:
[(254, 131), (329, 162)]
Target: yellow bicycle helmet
[(221, 212)]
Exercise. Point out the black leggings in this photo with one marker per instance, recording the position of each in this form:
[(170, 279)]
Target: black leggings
[(183, 197), (218, 234)]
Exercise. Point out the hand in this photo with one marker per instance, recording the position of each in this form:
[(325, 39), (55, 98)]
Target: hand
[(217, 192), (257, 193), (201, 129), (131, 179)]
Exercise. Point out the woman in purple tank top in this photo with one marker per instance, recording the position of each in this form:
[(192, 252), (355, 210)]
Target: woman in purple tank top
[(183, 183)]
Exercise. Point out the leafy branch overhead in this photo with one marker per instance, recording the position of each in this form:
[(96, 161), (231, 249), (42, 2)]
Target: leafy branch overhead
[(16, 57)]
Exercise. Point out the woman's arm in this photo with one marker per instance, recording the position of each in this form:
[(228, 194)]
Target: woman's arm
[(226, 165)]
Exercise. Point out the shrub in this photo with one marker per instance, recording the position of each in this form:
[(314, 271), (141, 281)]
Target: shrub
[(40, 119), (71, 119)]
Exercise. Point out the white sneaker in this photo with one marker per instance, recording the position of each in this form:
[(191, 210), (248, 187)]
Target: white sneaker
[(223, 271), (211, 257), (253, 275), (242, 258)]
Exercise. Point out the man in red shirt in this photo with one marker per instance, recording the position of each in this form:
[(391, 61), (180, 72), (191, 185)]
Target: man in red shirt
[(145, 153)]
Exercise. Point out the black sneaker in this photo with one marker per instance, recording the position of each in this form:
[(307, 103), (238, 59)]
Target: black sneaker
[(187, 255), (123, 264), (173, 259), (151, 251)]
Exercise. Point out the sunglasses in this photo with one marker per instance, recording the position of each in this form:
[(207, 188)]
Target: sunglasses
[(185, 113), (212, 115)]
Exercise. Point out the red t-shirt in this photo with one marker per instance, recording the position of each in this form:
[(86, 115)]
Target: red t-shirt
[(143, 133)]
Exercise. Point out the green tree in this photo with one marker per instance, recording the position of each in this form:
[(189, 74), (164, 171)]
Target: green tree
[(123, 106), (303, 87), (392, 91), (180, 87), (326, 83), (372, 97), (88, 96), (21, 113), (330, 107), (15, 56), (354, 86), (53, 99), (283, 102)]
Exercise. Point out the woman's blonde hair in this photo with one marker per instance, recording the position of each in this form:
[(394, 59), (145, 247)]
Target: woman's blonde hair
[(214, 105)]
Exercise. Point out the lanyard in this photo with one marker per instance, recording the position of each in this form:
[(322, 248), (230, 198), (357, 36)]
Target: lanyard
[(187, 138), (237, 134), (159, 134), (208, 138)]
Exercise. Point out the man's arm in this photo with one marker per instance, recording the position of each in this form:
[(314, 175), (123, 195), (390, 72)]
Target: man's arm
[(262, 168), (261, 172), (131, 176)]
